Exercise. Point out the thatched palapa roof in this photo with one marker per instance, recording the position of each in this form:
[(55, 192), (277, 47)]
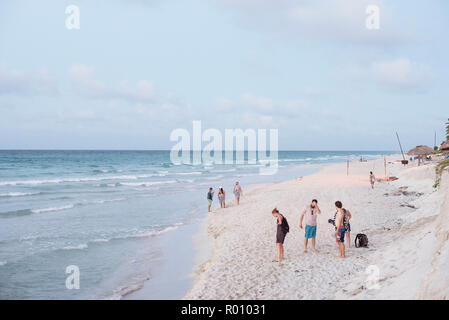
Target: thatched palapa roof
[(420, 151), (445, 146)]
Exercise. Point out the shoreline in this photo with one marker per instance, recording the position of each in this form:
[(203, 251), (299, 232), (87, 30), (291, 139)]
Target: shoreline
[(202, 244), (242, 238), (203, 239), (197, 250), (168, 280)]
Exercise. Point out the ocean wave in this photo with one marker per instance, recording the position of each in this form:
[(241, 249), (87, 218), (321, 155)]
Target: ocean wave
[(85, 179), (107, 200), (140, 235), (51, 209), (109, 185), (296, 160), (188, 173), (246, 166), (320, 158), (24, 212), (102, 171), (326, 158), (78, 247), (101, 240), (146, 184), (152, 233), (17, 194), (123, 291), (149, 175), (187, 180), (224, 170), (2, 263), (214, 178), (160, 173), (152, 188)]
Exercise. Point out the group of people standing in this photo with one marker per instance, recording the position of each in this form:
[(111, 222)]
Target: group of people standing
[(222, 196), (309, 216)]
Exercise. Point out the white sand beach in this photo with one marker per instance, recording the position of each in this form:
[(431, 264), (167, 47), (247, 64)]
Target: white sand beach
[(406, 221)]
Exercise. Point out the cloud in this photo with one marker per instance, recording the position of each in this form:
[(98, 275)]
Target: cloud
[(20, 83), (82, 78), (261, 106), (402, 75), (143, 2), (128, 106), (85, 84), (337, 20), (224, 105)]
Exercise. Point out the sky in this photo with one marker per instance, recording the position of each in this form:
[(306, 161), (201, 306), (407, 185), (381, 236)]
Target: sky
[(136, 70)]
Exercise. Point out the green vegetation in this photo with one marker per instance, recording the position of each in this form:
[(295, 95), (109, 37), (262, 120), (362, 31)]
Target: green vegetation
[(441, 166)]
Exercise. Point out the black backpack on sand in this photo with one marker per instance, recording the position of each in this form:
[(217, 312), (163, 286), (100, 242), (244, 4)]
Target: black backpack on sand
[(361, 240), (284, 225)]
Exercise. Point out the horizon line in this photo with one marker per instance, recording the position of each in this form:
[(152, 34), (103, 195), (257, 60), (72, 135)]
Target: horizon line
[(194, 150)]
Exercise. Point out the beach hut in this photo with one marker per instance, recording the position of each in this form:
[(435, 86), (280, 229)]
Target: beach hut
[(445, 147), (420, 151)]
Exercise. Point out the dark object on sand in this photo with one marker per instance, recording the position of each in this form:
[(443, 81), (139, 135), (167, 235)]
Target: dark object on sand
[(407, 205), (404, 162), (331, 221), (361, 240)]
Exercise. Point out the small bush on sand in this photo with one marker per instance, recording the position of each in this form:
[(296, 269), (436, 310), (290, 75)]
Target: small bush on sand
[(439, 171)]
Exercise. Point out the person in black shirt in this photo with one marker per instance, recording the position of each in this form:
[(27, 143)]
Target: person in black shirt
[(210, 197)]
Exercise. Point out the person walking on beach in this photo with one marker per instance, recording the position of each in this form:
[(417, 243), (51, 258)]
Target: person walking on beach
[(372, 179), (237, 192), (310, 213), (281, 232), (210, 197), (347, 216), (340, 228), (222, 197)]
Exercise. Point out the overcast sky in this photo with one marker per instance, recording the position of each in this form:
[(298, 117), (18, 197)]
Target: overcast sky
[(136, 70)]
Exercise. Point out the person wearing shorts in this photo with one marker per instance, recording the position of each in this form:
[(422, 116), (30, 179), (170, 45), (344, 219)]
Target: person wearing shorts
[(310, 213), (237, 192), (340, 236), (222, 197), (340, 229), (210, 197), (346, 218)]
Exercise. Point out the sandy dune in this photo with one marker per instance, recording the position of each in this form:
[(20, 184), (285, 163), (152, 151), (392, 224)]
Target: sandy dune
[(407, 223)]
